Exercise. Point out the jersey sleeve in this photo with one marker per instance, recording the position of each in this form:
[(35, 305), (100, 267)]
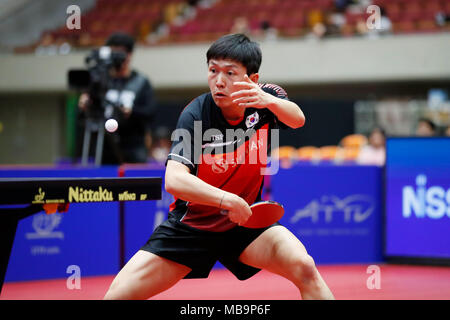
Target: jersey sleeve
[(278, 92), (182, 149), (275, 90)]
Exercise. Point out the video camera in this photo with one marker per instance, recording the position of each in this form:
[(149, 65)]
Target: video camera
[(96, 79)]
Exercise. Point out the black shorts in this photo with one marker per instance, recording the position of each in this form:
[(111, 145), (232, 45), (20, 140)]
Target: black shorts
[(200, 249)]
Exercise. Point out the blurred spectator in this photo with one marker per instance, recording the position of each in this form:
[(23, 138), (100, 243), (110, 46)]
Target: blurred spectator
[(341, 5), (426, 128), (161, 31), (385, 26), (241, 25), (49, 45), (172, 10), (447, 131), (185, 11), (161, 146), (369, 27), (316, 22), (319, 30), (315, 16), (266, 32), (361, 27), (375, 152), (206, 3), (442, 18), (333, 24), (365, 3)]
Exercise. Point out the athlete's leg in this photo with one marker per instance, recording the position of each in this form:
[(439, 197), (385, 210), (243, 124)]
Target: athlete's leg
[(145, 275), (279, 251)]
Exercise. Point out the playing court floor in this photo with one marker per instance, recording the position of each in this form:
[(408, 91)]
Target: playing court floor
[(348, 282)]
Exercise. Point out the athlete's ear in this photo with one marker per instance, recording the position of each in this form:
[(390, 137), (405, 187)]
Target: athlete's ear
[(254, 77)]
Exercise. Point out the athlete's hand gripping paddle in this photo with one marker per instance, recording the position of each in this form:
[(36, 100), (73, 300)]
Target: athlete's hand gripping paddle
[(264, 213)]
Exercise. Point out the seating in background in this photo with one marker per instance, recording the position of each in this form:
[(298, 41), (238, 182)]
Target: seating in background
[(351, 146), (286, 155), (291, 18), (354, 141), (346, 151), (308, 153), (329, 153)]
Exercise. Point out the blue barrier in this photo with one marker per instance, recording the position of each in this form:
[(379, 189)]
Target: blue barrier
[(334, 210), (418, 199), (87, 236), (142, 217)]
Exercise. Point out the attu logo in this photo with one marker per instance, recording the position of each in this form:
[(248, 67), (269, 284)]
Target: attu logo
[(252, 120), (353, 208)]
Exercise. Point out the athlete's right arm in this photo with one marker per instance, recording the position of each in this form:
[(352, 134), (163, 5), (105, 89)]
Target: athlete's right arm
[(183, 185)]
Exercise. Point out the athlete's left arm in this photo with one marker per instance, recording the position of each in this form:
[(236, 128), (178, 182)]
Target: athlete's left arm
[(252, 96)]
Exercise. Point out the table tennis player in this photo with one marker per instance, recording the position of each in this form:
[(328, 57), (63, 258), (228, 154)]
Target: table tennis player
[(213, 190)]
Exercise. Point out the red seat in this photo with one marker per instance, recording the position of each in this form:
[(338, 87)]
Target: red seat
[(412, 11), (405, 27), (307, 5), (433, 6), (393, 8), (394, 11), (325, 4), (287, 5), (287, 20), (427, 26), (354, 18), (447, 7), (222, 26), (382, 3)]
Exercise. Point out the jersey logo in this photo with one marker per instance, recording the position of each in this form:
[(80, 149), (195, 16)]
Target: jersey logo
[(220, 166), (217, 137), (252, 120)]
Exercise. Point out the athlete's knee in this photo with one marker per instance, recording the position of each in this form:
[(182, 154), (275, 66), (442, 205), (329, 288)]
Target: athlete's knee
[(122, 289), (113, 291), (304, 268)]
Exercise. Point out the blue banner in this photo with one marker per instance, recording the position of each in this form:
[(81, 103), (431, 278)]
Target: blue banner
[(86, 236), (142, 217), (418, 197), (335, 211)]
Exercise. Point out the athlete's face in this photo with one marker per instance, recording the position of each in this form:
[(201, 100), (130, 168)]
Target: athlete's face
[(222, 74)]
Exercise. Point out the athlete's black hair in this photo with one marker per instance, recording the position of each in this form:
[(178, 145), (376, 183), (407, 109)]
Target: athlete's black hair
[(237, 47), (120, 39)]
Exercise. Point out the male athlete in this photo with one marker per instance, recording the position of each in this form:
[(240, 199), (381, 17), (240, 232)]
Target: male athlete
[(213, 189)]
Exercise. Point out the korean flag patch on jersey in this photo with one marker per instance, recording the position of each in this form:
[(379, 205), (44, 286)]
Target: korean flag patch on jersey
[(252, 120)]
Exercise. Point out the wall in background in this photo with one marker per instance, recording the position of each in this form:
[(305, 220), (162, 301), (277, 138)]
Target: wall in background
[(31, 128), (287, 62)]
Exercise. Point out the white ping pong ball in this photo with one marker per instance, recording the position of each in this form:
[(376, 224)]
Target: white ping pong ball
[(111, 125)]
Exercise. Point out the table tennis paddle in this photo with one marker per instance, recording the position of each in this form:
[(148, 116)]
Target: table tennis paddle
[(264, 213)]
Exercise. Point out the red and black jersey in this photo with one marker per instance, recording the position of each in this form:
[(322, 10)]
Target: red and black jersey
[(228, 156)]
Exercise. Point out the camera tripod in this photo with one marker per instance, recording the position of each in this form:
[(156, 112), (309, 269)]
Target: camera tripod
[(93, 125)]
